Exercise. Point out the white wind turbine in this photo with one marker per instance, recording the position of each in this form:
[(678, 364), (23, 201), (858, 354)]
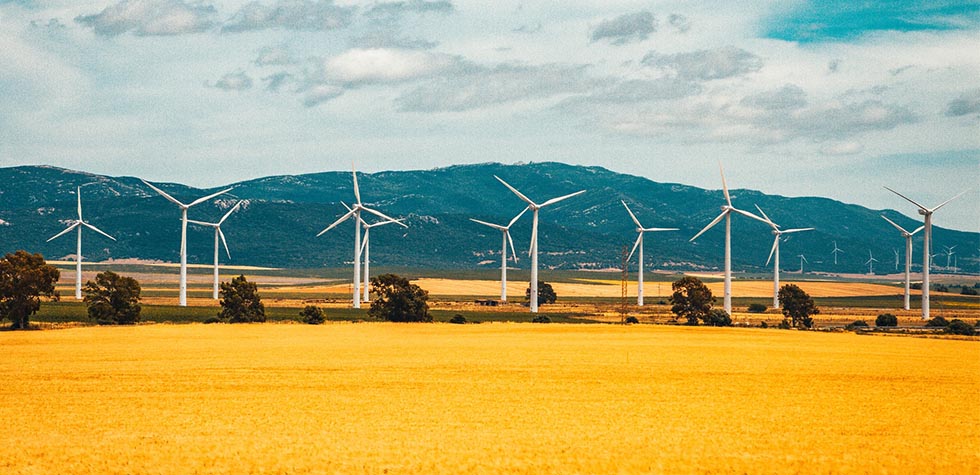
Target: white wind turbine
[(835, 251), (639, 244), (726, 213), (534, 236), (218, 234), (505, 231), (871, 263), (775, 253), (355, 211), (895, 250), (908, 255), (366, 250), (802, 260), (183, 234), (926, 257), (79, 223), (949, 255)]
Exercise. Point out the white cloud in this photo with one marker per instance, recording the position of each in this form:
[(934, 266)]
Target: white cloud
[(626, 28), (320, 93), (719, 63), (379, 65), (151, 17)]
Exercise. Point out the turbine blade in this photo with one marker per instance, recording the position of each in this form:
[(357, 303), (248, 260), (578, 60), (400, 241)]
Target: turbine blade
[(202, 223), (560, 198), (534, 239), (628, 210), (635, 245), (223, 241), (514, 190), (79, 195), (654, 230), (923, 208), (513, 253), (775, 243), (920, 228), (202, 200), (385, 216), (746, 213), (797, 230), (947, 201), (710, 225), (804, 258), (763, 213), (382, 223), (896, 225), (341, 220), (494, 226), (357, 191), (232, 210), (364, 243), (724, 185), (93, 228), (518, 217), (69, 228), (164, 194)]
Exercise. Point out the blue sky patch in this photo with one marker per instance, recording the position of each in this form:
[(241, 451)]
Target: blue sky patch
[(823, 21)]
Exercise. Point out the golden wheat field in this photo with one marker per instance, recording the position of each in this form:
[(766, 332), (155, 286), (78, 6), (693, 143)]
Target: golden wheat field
[(490, 398)]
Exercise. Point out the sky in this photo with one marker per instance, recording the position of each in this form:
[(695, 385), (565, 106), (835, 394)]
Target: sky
[(826, 98)]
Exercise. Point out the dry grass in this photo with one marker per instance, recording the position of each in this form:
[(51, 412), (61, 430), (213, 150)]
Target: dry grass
[(491, 398)]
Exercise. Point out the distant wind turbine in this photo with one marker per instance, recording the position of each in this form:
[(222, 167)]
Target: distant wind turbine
[(835, 251), (79, 223), (355, 211), (534, 236), (726, 213), (639, 243), (775, 253), (927, 237), (896, 257), (871, 263), (505, 232), (802, 260), (908, 256), (366, 250), (218, 234), (949, 254), (183, 233)]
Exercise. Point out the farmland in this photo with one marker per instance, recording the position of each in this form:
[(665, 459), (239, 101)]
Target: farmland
[(491, 398)]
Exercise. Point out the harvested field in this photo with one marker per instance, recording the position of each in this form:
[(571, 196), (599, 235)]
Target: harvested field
[(491, 398)]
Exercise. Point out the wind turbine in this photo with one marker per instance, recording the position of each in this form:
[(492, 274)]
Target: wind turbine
[(802, 260), (927, 218), (534, 236), (79, 223), (639, 244), (871, 263), (505, 231), (218, 234), (726, 213), (908, 255), (835, 251), (896, 257), (355, 211), (775, 252), (366, 249), (183, 233), (949, 254)]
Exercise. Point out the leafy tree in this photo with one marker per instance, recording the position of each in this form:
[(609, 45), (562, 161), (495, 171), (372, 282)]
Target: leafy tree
[(886, 320), (546, 294), (797, 305), (113, 298), (718, 317), (312, 315), (937, 322), (240, 301), (24, 279), (398, 300), (691, 299)]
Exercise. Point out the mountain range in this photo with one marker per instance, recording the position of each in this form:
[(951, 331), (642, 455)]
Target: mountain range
[(278, 222)]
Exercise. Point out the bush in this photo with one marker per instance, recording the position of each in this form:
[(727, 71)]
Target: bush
[(458, 319), (937, 322), (968, 291), (940, 288), (959, 327), (240, 302), (718, 318), (541, 319), (113, 299), (915, 286), (784, 325), (312, 315), (856, 324), (756, 308), (399, 300), (631, 319), (211, 320), (886, 320)]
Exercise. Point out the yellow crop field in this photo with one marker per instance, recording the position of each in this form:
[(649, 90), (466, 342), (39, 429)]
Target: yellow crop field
[(490, 398)]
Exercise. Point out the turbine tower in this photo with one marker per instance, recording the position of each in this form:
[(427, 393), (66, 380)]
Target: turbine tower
[(505, 231), (726, 213), (79, 223), (927, 218), (835, 251), (366, 250), (639, 244), (355, 211), (534, 236), (775, 252), (896, 257), (183, 234), (908, 256), (802, 260), (218, 234), (871, 263)]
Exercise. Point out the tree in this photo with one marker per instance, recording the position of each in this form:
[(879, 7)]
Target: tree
[(113, 298), (312, 315), (886, 320), (691, 299), (24, 279), (797, 305), (240, 301), (546, 294), (398, 300)]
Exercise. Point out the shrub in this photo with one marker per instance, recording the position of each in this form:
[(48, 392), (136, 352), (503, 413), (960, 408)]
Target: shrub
[(886, 320), (937, 322), (399, 300), (541, 319), (113, 299), (312, 315), (915, 286), (968, 291), (458, 319), (959, 327), (756, 308), (631, 319), (784, 325), (240, 301), (856, 324), (940, 288), (718, 318), (211, 320)]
